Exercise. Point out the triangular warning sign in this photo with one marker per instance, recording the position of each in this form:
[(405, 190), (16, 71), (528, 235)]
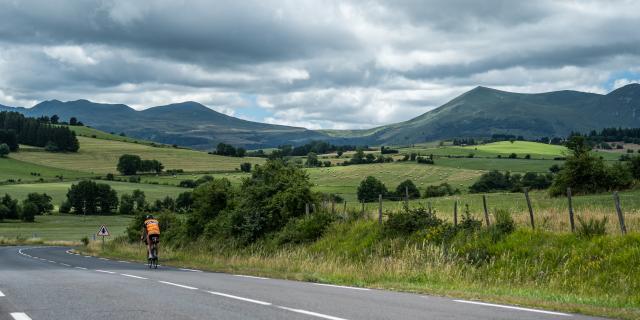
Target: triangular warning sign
[(103, 231)]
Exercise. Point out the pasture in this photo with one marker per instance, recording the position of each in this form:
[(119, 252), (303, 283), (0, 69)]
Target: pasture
[(20, 171), (64, 227), (98, 156), (58, 190)]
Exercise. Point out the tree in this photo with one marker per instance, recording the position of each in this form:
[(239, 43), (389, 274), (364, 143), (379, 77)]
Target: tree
[(55, 119), (312, 160), (140, 199), (4, 212), (29, 212), (129, 164), (42, 202), (409, 186), (245, 167), (73, 121), (4, 150), (90, 197), (13, 209), (340, 153), (127, 204), (184, 202), (370, 188)]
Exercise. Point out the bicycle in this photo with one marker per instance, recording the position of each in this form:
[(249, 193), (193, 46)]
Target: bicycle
[(153, 262)]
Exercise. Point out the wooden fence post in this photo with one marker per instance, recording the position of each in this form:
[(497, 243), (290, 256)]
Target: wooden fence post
[(333, 205), (573, 223), (526, 196), (406, 196), (344, 210), (623, 227), (313, 206), (363, 208), (306, 209), (380, 209), (455, 213), (486, 212)]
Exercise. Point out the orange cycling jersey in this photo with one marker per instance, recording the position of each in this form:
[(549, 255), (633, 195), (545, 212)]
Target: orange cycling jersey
[(152, 226)]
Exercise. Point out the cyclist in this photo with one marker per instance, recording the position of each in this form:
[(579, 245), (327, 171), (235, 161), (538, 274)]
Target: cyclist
[(150, 233)]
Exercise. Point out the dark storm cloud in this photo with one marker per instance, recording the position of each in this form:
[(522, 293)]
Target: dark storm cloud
[(312, 63)]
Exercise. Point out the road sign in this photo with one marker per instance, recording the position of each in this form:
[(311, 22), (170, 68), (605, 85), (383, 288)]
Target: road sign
[(104, 231)]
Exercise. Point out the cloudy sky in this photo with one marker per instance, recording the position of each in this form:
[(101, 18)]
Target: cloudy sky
[(318, 64)]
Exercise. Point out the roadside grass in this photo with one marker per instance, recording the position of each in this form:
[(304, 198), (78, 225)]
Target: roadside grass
[(540, 269), (20, 171), (100, 156), (59, 227), (58, 190)]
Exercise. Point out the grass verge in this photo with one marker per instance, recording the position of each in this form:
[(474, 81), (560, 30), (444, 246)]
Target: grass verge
[(597, 276)]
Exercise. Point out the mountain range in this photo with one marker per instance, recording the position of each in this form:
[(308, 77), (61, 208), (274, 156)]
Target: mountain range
[(480, 112)]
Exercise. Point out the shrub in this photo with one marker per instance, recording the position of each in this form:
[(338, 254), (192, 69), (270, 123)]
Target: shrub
[(110, 177), (65, 207), (29, 211), (504, 224), (411, 220), (591, 228), (187, 184), (134, 179), (305, 229), (4, 150), (409, 187), (245, 167), (85, 241), (444, 189), (370, 188), (42, 202), (13, 209)]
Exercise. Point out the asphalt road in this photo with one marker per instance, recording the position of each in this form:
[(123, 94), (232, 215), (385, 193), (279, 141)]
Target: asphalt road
[(51, 283)]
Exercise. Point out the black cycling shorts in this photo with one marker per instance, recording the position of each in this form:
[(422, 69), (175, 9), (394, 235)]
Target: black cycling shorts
[(155, 238)]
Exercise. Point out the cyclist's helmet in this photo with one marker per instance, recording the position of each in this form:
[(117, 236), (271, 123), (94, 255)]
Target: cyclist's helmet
[(147, 217)]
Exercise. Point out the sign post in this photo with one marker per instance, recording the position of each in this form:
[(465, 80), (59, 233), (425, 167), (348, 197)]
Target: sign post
[(103, 232)]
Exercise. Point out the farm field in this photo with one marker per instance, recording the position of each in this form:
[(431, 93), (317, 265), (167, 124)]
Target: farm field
[(58, 190), (63, 227), (100, 156), (89, 132), (487, 164), (20, 171)]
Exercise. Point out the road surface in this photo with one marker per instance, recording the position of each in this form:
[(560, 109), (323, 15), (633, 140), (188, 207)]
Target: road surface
[(52, 283)]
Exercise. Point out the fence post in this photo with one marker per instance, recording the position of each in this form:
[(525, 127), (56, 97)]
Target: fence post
[(429, 207), (406, 196), (486, 212), (455, 213), (333, 206), (623, 227), (573, 223), (363, 208), (313, 206), (306, 208), (526, 196), (380, 209), (344, 210)]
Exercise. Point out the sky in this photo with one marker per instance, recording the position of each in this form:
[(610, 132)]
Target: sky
[(316, 64)]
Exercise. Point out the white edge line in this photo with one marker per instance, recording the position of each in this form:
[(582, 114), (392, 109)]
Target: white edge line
[(252, 277), (178, 285), (124, 261), (1, 294), (192, 270), (343, 287), (132, 276), (64, 264), (513, 307), (19, 316), (81, 268), (105, 271), (310, 313), (240, 298)]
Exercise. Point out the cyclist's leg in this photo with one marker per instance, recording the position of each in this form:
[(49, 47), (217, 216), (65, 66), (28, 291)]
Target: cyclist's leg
[(149, 247)]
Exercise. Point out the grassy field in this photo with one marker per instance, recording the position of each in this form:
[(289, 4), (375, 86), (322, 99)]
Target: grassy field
[(89, 132), (63, 227), (58, 190), (521, 148), (486, 164), (20, 171), (101, 156)]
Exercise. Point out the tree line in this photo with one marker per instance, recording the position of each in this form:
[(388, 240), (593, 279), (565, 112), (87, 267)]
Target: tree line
[(130, 164), (34, 204), (16, 129)]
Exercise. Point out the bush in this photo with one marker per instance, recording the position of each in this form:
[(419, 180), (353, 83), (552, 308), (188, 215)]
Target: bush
[(65, 207), (245, 167), (4, 150), (411, 220), (134, 179), (42, 202), (13, 209), (444, 189), (305, 229), (187, 184), (504, 224), (591, 228), (29, 211), (370, 188), (110, 177), (407, 186), (85, 241)]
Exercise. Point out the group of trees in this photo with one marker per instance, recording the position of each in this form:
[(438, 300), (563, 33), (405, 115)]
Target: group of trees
[(314, 161), (228, 150), (626, 135), (35, 204), (317, 147), (361, 158), (498, 181), (16, 129), (130, 164), (371, 188)]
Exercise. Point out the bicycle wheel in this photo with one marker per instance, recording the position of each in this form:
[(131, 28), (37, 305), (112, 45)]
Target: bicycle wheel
[(154, 261)]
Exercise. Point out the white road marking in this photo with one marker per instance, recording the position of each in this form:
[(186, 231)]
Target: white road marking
[(178, 285), (81, 268), (1, 294), (104, 259), (252, 277), (240, 298), (105, 271), (20, 316), (64, 264), (310, 313), (88, 256), (514, 308), (343, 287), (132, 276), (51, 261), (124, 261), (192, 270)]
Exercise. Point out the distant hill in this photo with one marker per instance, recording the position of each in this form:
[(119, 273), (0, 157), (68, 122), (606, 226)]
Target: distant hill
[(187, 124), (480, 112)]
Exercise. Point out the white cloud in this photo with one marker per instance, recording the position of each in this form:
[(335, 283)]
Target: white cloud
[(73, 55), (623, 82)]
